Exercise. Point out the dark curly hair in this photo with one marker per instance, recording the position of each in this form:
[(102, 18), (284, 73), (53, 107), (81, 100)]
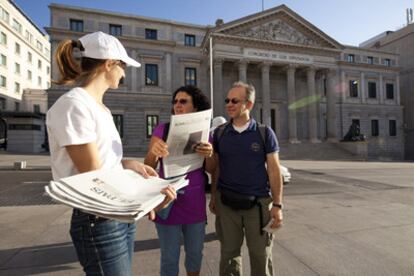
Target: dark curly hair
[(200, 100)]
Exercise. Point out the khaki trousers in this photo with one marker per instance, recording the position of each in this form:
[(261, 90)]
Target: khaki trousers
[(232, 226)]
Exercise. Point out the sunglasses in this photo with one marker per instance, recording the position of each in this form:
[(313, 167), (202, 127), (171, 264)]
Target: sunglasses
[(121, 64), (233, 101), (180, 101)]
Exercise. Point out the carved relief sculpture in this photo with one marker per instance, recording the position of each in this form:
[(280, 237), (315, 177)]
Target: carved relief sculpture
[(278, 31)]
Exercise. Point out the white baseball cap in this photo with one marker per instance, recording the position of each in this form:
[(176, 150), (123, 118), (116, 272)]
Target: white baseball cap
[(100, 45)]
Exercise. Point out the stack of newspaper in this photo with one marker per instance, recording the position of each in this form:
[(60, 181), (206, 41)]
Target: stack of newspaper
[(118, 194)]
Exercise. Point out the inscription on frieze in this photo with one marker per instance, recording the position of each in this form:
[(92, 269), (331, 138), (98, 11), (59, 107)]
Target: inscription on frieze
[(277, 56)]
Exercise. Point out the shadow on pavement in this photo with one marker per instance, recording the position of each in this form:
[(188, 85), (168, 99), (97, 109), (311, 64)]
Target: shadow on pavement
[(56, 257)]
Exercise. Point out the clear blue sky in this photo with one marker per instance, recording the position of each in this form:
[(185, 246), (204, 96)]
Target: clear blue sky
[(347, 21)]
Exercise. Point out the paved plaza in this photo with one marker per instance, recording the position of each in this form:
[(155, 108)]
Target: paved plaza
[(341, 218)]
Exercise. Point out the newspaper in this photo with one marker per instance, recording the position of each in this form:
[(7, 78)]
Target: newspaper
[(186, 130), (116, 193)]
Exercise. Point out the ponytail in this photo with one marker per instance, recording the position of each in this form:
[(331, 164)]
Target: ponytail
[(68, 67)]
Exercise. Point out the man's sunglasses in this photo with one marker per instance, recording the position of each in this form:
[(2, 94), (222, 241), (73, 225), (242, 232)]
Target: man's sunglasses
[(233, 101), (181, 101), (121, 64)]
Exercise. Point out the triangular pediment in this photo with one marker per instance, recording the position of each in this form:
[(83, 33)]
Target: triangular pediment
[(280, 25), (278, 31)]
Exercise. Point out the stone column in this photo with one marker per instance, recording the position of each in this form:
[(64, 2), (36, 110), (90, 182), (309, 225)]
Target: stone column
[(381, 89), (243, 70), (218, 88), (265, 68), (168, 73), (134, 73), (363, 88), (397, 90), (331, 104), (293, 137), (312, 108), (343, 88)]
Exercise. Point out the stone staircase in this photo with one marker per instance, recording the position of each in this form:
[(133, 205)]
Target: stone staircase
[(315, 151)]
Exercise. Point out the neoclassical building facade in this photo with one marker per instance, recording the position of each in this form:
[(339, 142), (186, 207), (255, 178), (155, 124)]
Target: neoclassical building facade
[(310, 88)]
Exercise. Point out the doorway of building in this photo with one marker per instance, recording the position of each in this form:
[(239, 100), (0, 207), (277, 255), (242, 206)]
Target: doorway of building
[(3, 134)]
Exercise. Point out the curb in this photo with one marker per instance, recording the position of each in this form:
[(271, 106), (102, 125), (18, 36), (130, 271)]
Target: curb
[(38, 168)]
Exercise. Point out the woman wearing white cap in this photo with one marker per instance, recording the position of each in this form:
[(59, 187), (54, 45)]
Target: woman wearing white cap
[(83, 137)]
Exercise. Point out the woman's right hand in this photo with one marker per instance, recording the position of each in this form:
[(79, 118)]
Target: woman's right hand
[(170, 195), (159, 148)]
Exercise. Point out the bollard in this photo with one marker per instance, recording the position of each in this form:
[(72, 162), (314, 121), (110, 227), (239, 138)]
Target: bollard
[(20, 165)]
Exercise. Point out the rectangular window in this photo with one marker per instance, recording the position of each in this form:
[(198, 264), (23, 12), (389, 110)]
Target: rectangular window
[(151, 74), (5, 15), (151, 34), (29, 37), (3, 38), (387, 62), (76, 25), (325, 86), (39, 45), (353, 88), (16, 68), (119, 123), (190, 76), (36, 108), (189, 40), (115, 30), (47, 70), (3, 81), (393, 127), (152, 122), (17, 26), (370, 60), (3, 60), (372, 90), (17, 87), (351, 58), (29, 57), (29, 75), (17, 48), (374, 128), (39, 64), (39, 81), (16, 108), (389, 87)]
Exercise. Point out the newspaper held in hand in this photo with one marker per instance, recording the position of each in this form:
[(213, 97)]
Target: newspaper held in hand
[(269, 229), (118, 194), (186, 131)]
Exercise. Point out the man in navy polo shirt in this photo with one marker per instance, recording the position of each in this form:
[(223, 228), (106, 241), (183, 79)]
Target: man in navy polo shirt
[(247, 189)]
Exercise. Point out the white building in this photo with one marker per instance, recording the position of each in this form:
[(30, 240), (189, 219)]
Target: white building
[(24, 57), (24, 77)]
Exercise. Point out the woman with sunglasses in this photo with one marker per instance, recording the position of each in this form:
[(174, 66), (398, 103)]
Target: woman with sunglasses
[(187, 216), (83, 137)]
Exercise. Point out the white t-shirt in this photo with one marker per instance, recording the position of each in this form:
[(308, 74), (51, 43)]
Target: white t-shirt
[(76, 119)]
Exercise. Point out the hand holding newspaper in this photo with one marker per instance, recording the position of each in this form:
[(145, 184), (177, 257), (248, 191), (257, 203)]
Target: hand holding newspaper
[(118, 194)]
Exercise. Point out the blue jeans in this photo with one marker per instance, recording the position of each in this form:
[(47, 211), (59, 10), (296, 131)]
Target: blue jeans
[(170, 238), (103, 246)]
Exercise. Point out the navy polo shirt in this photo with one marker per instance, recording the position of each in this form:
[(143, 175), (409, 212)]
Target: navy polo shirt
[(243, 157)]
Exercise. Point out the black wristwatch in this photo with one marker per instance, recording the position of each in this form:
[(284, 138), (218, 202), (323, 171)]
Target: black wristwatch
[(280, 206)]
